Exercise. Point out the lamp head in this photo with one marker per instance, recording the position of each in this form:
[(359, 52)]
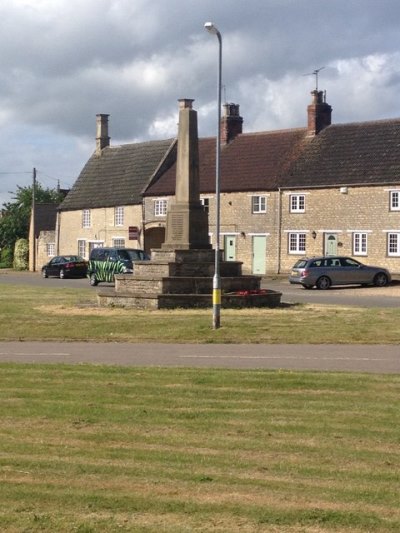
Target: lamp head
[(211, 28)]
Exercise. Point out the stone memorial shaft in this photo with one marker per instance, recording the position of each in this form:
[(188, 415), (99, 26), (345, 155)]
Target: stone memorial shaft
[(187, 221)]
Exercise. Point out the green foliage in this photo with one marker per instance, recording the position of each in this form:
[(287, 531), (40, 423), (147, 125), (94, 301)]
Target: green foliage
[(14, 223), (21, 254), (6, 258)]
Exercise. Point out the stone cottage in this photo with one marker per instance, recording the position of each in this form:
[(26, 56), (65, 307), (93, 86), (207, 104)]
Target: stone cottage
[(104, 207), (322, 189)]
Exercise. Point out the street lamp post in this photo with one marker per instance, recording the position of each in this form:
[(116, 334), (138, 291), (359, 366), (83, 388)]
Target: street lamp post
[(211, 28)]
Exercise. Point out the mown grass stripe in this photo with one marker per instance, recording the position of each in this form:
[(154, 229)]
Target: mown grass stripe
[(92, 446)]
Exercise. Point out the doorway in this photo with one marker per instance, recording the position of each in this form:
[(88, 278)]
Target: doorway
[(230, 247), (330, 244), (154, 237), (259, 254)]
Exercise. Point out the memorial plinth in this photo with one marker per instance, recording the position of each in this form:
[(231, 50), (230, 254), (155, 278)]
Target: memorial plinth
[(183, 279)]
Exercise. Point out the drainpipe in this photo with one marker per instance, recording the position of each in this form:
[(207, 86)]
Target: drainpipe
[(143, 232), (106, 242), (279, 247), (58, 217)]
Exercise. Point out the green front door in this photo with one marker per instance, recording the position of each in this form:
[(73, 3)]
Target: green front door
[(259, 254), (330, 244), (230, 247)]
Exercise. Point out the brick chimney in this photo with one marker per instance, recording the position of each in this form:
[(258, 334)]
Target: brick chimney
[(102, 138), (231, 123), (319, 113)]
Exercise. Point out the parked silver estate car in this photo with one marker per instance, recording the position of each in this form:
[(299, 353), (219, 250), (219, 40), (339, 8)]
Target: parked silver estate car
[(326, 271)]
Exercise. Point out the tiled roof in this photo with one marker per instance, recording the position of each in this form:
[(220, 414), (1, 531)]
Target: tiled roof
[(45, 217), (251, 162), (349, 154), (341, 154), (117, 176)]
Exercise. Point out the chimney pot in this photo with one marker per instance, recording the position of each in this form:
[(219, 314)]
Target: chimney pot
[(102, 138), (319, 113), (231, 123)]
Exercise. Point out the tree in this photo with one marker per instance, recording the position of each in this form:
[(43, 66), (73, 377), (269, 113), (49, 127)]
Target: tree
[(14, 222)]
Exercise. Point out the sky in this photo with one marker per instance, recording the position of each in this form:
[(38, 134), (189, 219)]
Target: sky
[(64, 61)]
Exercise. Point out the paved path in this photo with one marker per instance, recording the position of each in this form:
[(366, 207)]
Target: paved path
[(323, 357)]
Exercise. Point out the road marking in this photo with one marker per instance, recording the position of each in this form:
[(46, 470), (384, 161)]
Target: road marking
[(283, 357), (34, 353)]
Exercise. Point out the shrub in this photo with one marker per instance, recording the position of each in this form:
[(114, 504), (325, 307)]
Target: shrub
[(21, 254), (6, 258)]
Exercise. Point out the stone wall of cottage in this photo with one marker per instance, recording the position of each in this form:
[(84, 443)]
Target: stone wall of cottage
[(237, 220), (344, 212), (102, 231), (154, 222), (341, 211), (41, 248), (45, 248)]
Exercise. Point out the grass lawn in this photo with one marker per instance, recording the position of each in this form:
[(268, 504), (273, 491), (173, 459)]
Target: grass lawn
[(32, 313), (104, 449), (93, 448)]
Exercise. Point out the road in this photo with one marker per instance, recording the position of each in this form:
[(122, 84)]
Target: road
[(347, 295), (353, 295), (325, 357)]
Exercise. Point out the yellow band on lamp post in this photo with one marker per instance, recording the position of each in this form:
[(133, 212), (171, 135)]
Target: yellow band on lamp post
[(216, 296)]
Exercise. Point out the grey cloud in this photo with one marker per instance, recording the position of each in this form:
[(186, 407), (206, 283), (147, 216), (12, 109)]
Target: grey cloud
[(64, 61)]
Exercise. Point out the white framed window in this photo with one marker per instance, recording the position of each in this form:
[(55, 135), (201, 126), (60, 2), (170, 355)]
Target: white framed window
[(86, 218), (82, 247), (51, 249), (360, 241), (393, 244), (118, 242), (119, 216), (160, 207), (297, 243), (297, 203), (258, 204), (394, 200), (206, 204)]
